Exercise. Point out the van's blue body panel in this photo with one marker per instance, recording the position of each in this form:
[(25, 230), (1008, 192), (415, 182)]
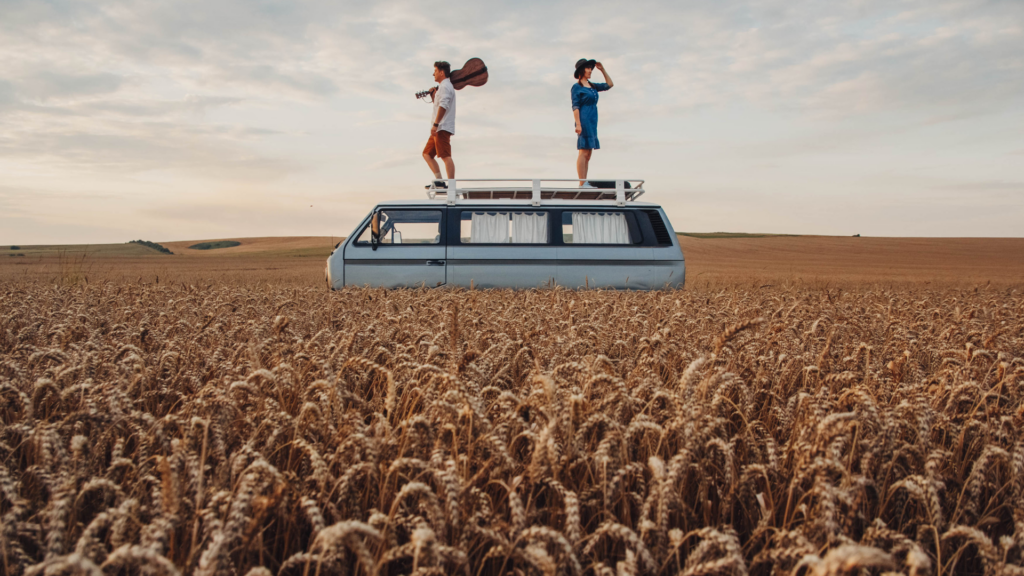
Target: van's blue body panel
[(645, 266)]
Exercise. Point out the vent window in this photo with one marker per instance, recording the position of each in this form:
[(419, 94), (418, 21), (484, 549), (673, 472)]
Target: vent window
[(660, 230)]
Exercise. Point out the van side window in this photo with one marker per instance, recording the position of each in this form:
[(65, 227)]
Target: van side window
[(599, 227), (406, 227), (503, 226)]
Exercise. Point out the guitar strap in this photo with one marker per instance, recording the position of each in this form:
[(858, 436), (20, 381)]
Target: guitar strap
[(474, 74), (464, 79)]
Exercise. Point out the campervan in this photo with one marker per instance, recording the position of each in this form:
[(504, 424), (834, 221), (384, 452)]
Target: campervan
[(514, 234)]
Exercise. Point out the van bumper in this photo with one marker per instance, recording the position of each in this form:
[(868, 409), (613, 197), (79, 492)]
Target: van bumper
[(334, 271), (676, 276)]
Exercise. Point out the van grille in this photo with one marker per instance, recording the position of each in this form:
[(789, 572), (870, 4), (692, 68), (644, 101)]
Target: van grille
[(660, 231)]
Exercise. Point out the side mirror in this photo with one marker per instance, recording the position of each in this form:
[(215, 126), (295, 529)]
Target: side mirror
[(375, 230)]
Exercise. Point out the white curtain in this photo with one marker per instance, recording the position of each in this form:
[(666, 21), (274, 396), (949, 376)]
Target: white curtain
[(594, 228), (529, 228), (489, 228)]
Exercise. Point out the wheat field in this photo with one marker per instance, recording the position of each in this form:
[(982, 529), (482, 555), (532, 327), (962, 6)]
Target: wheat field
[(167, 429)]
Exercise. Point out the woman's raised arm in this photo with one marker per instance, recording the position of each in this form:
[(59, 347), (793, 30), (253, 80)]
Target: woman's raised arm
[(607, 78)]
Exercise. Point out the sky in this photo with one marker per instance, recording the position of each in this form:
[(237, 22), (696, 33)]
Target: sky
[(180, 120)]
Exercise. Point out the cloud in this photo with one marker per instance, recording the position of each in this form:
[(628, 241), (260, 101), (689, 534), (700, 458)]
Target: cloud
[(1001, 190), (191, 105), (7, 95), (267, 77), (129, 148), (48, 85)]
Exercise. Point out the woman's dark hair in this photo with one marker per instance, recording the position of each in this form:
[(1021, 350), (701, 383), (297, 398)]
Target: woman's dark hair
[(444, 67), (579, 79), (583, 68)]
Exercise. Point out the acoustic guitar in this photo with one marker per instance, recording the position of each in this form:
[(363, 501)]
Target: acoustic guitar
[(472, 73)]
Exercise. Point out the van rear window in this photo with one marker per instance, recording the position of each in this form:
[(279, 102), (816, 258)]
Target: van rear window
[(597, 227), (503, 227)]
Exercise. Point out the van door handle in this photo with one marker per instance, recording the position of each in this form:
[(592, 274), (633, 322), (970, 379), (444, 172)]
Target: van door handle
[(435, 262)]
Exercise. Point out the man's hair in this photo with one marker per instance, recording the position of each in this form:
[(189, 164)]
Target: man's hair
[(444, 67)]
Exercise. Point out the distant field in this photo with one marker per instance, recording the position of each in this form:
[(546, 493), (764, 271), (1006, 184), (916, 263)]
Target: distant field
[(844, 258), (728, 235), (711, 258), (288, 260), (93, 250)]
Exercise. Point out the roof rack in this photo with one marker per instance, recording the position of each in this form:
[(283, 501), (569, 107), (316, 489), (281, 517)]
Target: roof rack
[(537, 192)]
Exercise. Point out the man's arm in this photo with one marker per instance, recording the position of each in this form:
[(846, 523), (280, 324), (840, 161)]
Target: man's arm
[(445, 94), (437, 121)]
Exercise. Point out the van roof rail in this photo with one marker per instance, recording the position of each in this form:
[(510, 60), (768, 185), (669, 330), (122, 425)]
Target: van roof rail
[(538, 191)]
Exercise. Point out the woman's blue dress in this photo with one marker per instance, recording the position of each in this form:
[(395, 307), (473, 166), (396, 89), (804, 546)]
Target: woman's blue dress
[(585, 100)]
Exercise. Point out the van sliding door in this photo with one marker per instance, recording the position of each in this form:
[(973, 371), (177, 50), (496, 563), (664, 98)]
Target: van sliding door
[(495, 247)]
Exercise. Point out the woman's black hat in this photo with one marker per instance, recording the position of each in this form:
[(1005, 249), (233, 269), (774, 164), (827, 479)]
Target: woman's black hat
[(583, 63)]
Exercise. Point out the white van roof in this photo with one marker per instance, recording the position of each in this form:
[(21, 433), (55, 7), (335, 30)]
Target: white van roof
[(441, 201), (537, 191)]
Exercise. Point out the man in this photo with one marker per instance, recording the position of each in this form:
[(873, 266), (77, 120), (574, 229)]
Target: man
[(443, 128)]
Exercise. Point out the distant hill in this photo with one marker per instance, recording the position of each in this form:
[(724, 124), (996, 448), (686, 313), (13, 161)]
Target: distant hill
[(152, 245)]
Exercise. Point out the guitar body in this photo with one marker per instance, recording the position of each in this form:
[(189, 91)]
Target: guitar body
[(473, 73)]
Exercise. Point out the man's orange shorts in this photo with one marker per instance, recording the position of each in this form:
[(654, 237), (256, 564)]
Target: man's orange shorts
[(439, 145)]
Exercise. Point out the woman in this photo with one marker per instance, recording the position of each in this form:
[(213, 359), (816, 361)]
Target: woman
[(584, 108)]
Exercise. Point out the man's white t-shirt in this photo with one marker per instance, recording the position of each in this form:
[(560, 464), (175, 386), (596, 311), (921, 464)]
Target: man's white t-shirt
[(445, 98)]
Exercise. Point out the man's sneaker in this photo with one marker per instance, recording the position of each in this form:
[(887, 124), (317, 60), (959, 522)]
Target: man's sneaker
[(437, 184)]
